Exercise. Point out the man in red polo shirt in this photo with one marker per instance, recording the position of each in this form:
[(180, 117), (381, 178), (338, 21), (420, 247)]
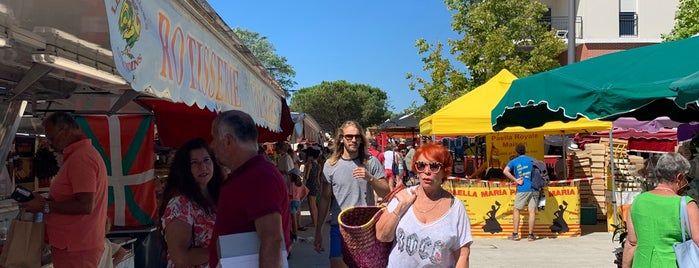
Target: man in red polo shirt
[(76, 210), (254, 197)]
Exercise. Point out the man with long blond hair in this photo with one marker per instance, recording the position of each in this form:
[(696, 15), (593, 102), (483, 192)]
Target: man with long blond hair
[(350, 177)]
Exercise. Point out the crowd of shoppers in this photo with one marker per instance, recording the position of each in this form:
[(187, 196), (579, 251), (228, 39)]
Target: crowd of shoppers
[(210, 187)]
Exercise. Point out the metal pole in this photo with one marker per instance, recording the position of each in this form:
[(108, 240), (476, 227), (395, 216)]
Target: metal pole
[(611, 165), (571, 31), (565, 157)]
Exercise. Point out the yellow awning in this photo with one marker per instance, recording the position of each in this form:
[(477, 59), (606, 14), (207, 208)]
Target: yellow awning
[(469, 115)]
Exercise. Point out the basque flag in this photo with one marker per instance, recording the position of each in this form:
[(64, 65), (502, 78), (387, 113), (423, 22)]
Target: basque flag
[(126, 143)]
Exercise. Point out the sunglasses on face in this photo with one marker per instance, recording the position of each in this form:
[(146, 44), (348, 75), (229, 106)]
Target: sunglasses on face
[(349, 137), (434, 166)]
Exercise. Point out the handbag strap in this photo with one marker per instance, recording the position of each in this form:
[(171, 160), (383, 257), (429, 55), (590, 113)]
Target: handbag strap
[(392, 193), (684, 220)]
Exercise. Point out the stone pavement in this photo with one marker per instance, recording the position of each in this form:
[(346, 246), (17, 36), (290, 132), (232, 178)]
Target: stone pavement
[(593, 249)]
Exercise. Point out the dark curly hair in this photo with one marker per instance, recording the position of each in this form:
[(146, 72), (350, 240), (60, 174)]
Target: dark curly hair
[(181, 182)]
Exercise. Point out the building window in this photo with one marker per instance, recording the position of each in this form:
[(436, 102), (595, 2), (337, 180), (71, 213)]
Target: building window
[(628, 24), (546, 18)]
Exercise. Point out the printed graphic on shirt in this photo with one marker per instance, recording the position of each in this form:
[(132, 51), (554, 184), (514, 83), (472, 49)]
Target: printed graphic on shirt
[(424, 247), (521, 171)]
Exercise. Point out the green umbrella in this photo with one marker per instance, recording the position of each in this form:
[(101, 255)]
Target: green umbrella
[(633, 82)]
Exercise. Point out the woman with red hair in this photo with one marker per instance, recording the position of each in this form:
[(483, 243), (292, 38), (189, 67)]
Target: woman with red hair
[(428, 225)]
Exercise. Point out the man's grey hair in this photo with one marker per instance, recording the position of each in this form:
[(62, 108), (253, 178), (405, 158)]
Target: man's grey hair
[(238, 124), (61, 120), (669, 165)]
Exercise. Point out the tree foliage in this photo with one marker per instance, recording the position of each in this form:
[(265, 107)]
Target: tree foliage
[(504, 34), (265, 52), (686, 21), (333, 103)]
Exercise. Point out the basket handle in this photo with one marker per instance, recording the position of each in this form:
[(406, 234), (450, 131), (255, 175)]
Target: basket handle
[(392, 193)]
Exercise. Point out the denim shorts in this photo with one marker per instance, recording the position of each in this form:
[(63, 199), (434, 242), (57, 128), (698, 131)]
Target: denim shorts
[(335, 241), (294, 207)]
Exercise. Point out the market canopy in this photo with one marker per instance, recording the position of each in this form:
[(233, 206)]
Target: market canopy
[(306, 128), (635, 82), (177, 123), (184, 52), (470, 114), (651, 126), (663, 140), (687, 89), (402, 122)]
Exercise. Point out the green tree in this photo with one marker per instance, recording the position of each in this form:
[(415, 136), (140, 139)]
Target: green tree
[(504, 34), (265, 52), (333, 103), (686, 21)]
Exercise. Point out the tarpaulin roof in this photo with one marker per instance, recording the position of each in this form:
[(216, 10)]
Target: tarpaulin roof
[(470, 114)]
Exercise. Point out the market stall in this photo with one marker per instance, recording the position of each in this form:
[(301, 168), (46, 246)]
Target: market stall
[(125, 67), (469, 115), (643, 83), (306, 129)]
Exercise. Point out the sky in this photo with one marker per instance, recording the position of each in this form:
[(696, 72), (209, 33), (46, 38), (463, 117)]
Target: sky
[(362, 42)]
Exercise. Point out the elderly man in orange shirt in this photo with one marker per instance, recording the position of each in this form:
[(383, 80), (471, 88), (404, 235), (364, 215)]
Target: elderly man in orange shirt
[(76, 209)]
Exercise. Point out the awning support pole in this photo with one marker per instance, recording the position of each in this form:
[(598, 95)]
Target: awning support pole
[(36, 72), (124, 99), (613, 174)]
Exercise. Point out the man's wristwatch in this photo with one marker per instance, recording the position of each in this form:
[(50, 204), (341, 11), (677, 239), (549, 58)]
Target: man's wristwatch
[(46, 208)]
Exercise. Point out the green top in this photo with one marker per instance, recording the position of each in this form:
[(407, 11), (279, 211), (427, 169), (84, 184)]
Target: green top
[(656, 220)]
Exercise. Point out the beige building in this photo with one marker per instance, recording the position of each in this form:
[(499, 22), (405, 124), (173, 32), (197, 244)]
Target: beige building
[(604, 26)]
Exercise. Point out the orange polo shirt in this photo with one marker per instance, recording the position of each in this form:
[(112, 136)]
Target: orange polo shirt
[(83, 171)]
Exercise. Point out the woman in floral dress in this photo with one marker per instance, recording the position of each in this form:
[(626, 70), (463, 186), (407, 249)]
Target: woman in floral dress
[(188, 207)]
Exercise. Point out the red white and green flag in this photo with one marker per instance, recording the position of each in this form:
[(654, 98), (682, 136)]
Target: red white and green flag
[(126, 144)]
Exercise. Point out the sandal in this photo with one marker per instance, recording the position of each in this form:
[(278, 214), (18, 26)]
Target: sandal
[(513, 237), (531, 237)]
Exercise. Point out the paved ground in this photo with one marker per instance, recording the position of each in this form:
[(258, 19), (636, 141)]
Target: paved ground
[(593, 249)]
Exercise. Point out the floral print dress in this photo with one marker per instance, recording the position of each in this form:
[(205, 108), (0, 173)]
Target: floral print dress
[(183, 209)]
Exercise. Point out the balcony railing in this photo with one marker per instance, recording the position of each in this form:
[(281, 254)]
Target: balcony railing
[(628, 24), (560, 24)]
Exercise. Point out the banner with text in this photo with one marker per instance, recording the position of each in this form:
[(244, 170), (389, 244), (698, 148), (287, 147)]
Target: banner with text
[(161, 48), (500, 147), (490, 211)]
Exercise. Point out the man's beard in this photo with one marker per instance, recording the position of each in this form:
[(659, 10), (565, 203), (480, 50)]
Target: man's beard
[(351, 149)]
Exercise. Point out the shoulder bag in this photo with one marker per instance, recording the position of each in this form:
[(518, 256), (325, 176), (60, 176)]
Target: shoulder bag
[(360, 248), (687, 252)]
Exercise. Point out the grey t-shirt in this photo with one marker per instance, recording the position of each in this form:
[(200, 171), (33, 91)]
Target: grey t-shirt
[(347, 190)]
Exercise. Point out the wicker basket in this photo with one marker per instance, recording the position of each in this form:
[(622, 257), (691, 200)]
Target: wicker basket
[(360, 248)]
